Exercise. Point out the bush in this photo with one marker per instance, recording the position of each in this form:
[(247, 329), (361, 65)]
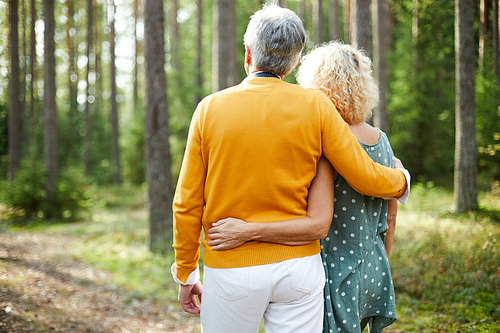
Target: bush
[(26, 196)]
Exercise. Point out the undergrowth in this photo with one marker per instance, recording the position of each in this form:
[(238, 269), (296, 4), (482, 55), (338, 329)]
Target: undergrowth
[(445, 267)]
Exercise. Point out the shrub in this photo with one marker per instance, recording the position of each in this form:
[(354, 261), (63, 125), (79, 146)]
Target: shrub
[(26, 196)]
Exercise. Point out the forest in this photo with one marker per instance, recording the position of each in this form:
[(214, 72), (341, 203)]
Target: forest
[(97, 85), (96, 99)]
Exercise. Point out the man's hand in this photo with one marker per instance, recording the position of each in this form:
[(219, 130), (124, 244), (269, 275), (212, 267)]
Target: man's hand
[(227, 234), (187, 297)]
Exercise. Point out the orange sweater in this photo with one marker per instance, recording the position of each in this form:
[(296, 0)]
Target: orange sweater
[(251, 153)]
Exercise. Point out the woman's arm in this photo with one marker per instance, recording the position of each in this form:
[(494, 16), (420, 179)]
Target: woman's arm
[(230, 233), (392, 211)]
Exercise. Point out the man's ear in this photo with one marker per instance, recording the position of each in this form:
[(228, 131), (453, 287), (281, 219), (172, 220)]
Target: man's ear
[(248, 55)]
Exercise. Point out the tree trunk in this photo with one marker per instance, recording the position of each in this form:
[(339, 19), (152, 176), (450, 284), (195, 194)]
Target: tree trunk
[(301, 10), (381, 38), (465, 143), (50, 110), (115, 149), (72, 76), (88, 126), (334, 24), (136, 65), (158, 172), (15, 105), (483, 25), (98, 27), (24, 116), (174, 41), (347, 21), (33, 67), (318, 21), (199, 74), (496, 46), (224, 72), (361, 32)]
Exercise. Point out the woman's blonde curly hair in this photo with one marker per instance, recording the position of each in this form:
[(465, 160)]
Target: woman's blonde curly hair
[(344, 74)]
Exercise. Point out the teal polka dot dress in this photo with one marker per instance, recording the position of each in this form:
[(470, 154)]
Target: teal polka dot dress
[(358, 275)]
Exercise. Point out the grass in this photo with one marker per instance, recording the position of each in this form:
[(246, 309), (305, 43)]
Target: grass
[(446, 267)]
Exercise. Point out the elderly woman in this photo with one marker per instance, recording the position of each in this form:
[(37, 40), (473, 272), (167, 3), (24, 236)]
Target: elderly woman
[(358, 288)]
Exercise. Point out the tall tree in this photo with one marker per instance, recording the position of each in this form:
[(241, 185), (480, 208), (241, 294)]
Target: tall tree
[(360, 25), (199, 73), (465, 144), (301, 11), (174, 42), (88, 126), (49, 94), (136, 55), (495, 32), (381, 38), (24, 116), (224, 71), (157, 147), (72, 73), (333, 18), (414, 29), (347, 21), (33, 69), (483, 26), (15, 105), (318, 21), (115, 148)]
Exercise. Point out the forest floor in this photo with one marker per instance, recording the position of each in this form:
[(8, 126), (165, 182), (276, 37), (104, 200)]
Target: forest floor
[(97, 275), (42, 289)]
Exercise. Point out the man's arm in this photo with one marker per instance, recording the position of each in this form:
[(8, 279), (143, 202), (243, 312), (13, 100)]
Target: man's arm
[(230, 233), (188, 208), (349, 159)]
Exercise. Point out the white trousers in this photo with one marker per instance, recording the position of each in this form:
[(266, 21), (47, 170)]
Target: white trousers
[(287, 294)]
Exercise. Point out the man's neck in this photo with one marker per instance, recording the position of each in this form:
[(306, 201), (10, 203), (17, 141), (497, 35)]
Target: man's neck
[(254, 70)]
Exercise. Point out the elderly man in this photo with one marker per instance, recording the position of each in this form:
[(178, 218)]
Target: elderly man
[(252, 153)]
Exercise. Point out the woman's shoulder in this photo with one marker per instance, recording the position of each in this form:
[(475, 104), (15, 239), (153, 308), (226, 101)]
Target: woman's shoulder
[(365, 133)]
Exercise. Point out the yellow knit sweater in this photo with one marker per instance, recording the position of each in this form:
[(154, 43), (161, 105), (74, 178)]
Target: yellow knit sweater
[(251, 153)]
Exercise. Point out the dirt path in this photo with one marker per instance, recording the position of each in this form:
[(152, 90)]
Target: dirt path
[(43, 290)]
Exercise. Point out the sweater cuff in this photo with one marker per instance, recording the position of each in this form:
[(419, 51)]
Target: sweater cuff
[(405, 196), (192, 278)]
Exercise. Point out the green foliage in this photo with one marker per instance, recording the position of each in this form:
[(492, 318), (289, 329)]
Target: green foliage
[(133, 154), (422, 87), (26, 196), (446, 268), (488, 127)]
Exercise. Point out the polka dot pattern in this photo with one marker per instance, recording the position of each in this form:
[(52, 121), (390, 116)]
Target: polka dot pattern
[(356, 265)]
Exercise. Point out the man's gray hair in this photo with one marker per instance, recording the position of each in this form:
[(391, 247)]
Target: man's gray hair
[(275, 37)]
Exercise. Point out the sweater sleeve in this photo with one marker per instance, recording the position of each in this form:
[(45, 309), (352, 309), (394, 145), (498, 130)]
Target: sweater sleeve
[(188, 204), (343, 151)]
